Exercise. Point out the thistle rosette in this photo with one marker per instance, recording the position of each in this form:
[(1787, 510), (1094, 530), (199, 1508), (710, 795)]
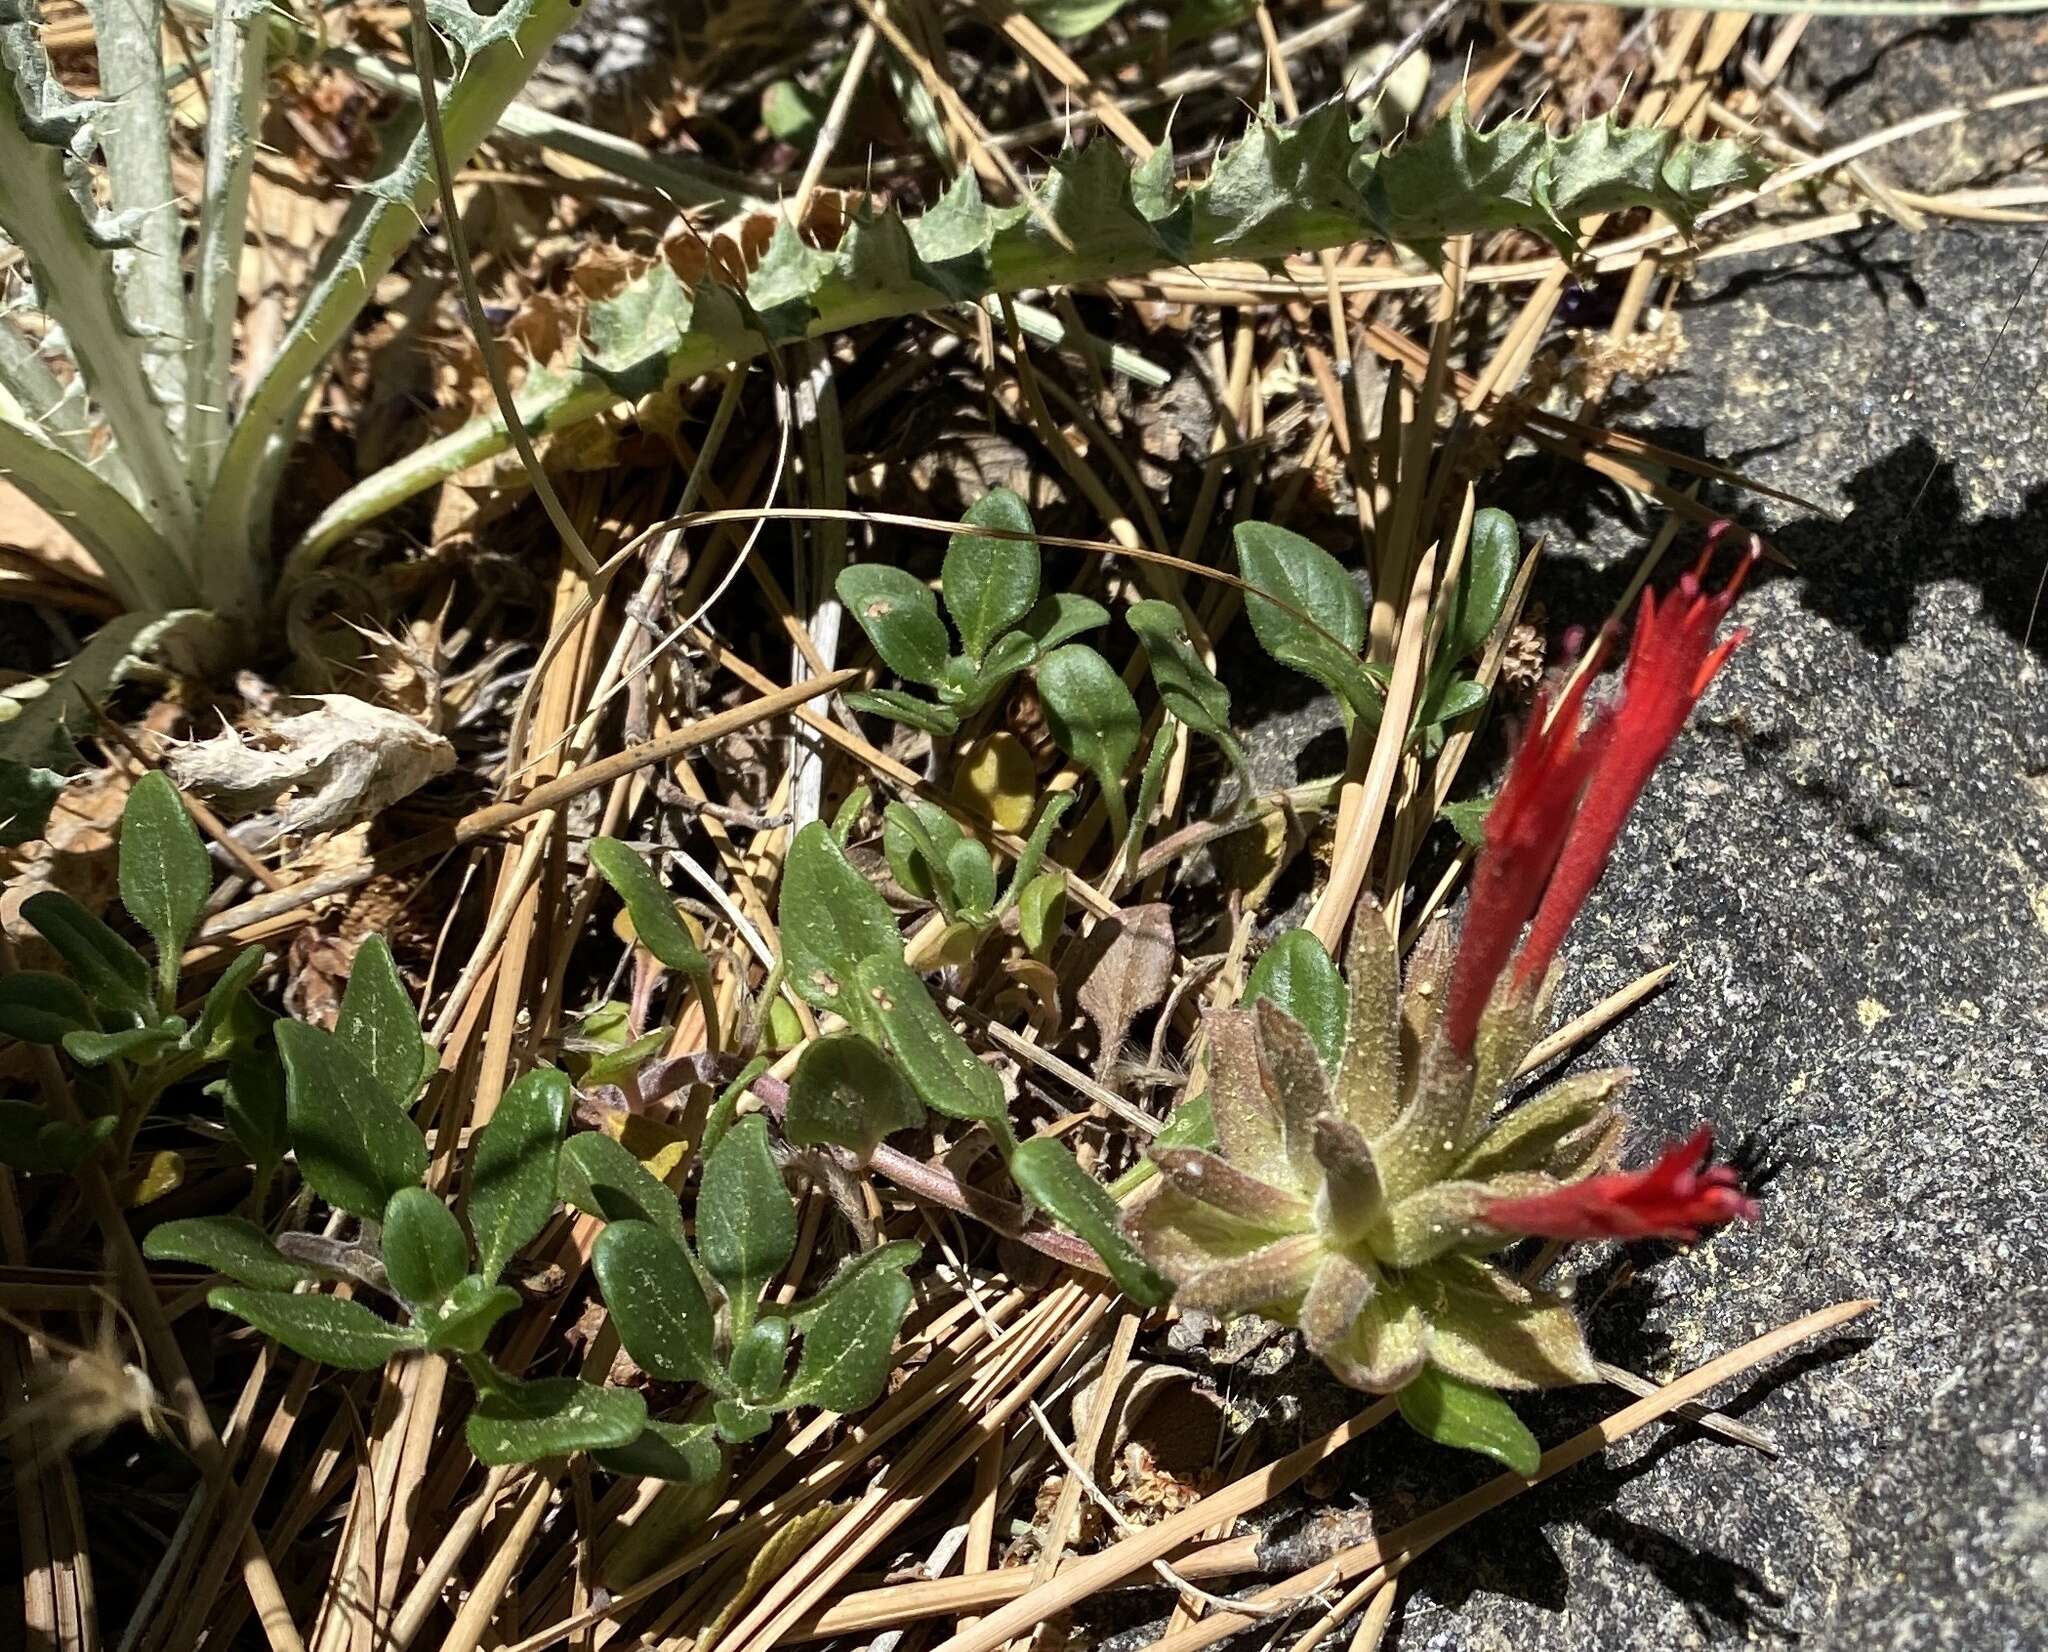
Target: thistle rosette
[(1364, 1203)]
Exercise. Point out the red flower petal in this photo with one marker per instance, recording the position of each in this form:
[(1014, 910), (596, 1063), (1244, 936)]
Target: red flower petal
[(1678, 1197), (1525, 829), (1670, 663)]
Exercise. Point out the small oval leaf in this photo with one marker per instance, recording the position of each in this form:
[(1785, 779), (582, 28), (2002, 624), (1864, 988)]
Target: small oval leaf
[(1295, 974), (846, 1093), (989, 583), (165, 875), (746, 1220), (655, 920), (848, 1349), (656, 1303), (377, 1024), (114, 975), (597, 1174), (1053, 1181), (512, 1167), (1458, 1414), (684, 1452), (39, 1006), (1187, 687), (331, 1329), (941, 1067), (907, 709), (1093, 719), (1492, 552), (1041, 910), (1061, 616), (228, 1245), (221, 1002), (464, 1322), (1295, 581), (355, 1145), (901, 617), (831, 917), (425, 1253), (521, 1422)]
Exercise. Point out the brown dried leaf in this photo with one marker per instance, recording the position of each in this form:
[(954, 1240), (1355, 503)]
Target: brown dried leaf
[(1130, 967)]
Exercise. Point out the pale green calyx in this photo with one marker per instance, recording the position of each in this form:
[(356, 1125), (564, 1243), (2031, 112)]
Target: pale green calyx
[(1352, 1203)]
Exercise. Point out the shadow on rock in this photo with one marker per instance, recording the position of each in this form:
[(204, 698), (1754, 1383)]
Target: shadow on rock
[(1906, 528)]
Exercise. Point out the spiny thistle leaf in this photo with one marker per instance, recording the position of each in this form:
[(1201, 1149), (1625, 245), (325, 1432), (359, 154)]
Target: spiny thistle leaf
[(1281, 189)]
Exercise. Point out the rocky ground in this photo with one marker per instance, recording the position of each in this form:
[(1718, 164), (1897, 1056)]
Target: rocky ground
[(1848, 857)]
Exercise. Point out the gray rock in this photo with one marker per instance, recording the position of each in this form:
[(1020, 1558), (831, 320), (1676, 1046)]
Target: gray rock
[(1848, 856)]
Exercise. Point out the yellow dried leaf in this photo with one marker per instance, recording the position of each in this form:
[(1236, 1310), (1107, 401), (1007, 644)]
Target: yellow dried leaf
[(997, 778), (164, 1172), (776, 1556), (656, 1144)]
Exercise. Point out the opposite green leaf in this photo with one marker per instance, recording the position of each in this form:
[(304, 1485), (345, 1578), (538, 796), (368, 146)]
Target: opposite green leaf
[(141, 1045), (1494, 549), (740, 1422), (1187, 687), (903, 708), (656, 1303), (1295, 581), (463, 1322), (1468, 819), (746, 1221), (685, 1452), (972, 876), (1093, 719), (1460, 695), (831, 917), (653, 909), (512, 1167), (990, 584), (114, 975), (847, 1349), (898, 1256), (1053, 1181), (1060, 616), (221, 1001), (377, 1024), (355, 1145), (1295, 974), (1468, 1418), (165, 875), (521, 1422), (229, 1245), (597, 1174), (253, 1104), (425, 1253), (331, 1329), (846, 1093), (759, 1357), (39, 1006), (901, 617), (915, 840), (31, 1140), (1033, 854), (942, 1068), (1041, 909), (1191, 1124)]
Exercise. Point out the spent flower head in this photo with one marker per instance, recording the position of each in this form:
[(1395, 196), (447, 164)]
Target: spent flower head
[(1363, 1205)]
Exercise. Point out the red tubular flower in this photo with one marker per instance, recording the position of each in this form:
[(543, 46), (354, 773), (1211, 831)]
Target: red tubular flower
[(1525, 828), (1670, 663), (1678, 1197)]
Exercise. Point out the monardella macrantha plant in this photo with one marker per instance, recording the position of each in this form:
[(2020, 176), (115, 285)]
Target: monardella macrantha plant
[(1363, 1205)]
